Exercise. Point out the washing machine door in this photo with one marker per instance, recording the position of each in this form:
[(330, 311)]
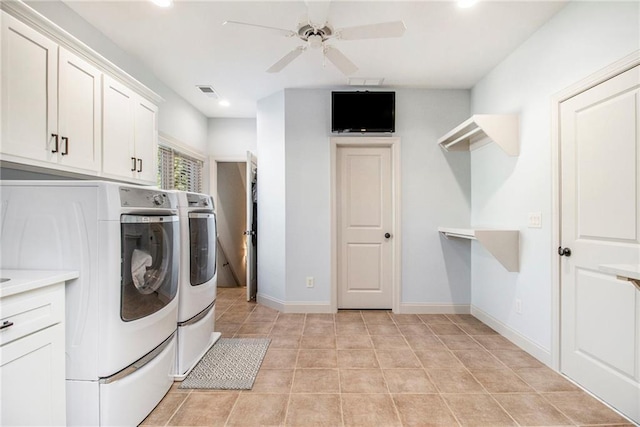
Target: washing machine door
[(202, 247), (149, 274)]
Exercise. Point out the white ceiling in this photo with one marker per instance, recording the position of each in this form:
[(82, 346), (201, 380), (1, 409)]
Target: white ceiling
[(186, 45)]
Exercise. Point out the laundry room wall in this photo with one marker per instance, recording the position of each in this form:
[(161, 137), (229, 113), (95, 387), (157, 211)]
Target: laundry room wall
[(231, 138), (435, 191), (176, 117), (581, 39), (270, 124)]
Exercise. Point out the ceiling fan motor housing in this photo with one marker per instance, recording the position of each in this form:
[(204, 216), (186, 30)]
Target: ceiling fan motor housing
[(307, 32)]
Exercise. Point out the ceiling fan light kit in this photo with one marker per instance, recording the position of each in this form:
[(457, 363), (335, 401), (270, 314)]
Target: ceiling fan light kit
[(316, 37)]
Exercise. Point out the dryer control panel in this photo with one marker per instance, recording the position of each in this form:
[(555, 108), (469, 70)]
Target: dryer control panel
[(199, 201), (143, 198)]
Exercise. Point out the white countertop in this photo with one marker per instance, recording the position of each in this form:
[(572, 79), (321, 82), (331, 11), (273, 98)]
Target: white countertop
[(26, 280)]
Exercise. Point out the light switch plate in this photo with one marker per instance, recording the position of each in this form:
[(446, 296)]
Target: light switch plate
[(535, 220)]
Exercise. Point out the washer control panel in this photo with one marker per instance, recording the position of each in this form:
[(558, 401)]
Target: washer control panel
[(143, 198)]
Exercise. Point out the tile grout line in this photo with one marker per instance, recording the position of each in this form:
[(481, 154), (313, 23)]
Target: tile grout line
[(439, 392), (479, 382)]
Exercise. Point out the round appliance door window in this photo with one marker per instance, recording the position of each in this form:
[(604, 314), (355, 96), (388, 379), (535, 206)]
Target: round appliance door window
[(149, 273), (202, 242)]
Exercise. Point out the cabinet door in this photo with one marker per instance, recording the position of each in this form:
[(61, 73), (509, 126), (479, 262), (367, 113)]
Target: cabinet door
[(32, 379), (28, 91), (146, 140), (118, 129), (79, 109)]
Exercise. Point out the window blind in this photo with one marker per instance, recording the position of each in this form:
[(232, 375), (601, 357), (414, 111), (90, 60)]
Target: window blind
[(177, 171)]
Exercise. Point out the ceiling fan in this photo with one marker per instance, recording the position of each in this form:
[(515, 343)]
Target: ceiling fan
[(316, 37)]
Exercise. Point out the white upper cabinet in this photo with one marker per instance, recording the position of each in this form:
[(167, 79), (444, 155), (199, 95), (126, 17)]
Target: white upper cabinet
[(66, 109), (50, 100), (28, 90), (79, 112), (146, 140), (130, 134)]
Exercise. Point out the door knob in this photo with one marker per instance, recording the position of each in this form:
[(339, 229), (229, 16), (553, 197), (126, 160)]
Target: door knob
[(564, 251), (387, 235)]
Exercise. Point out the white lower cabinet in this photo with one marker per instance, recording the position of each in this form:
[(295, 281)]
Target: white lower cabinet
[(130, 133), (32, 358)]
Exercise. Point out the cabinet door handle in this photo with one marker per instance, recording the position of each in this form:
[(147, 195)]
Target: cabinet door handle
[(6, 324), (139, 165), (133, 165), (66, 145), (55, 137)]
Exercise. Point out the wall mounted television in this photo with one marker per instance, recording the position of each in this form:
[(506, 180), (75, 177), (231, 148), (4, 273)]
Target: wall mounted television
[(363, 112)]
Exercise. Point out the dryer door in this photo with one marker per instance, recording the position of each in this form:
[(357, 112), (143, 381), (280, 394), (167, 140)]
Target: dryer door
[(203, 241), (149, 274)]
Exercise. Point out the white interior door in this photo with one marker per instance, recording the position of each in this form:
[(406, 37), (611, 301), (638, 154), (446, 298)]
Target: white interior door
[(251, 232), (364, 213), (600, 173)]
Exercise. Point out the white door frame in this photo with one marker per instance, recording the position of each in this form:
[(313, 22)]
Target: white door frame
[(368, 141), (612, 70)]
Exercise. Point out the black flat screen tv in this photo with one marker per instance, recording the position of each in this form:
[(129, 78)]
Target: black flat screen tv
[(363, 112)]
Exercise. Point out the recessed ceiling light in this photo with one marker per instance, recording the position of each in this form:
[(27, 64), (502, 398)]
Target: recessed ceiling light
[(466, 3), (224, 103), (162, 3)]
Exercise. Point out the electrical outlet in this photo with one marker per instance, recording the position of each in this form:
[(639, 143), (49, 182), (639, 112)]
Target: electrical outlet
[(535, 220), (518, 306), (310, 282)]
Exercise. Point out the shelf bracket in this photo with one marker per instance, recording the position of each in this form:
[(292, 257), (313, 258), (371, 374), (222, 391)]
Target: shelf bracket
[(504, 245), (634, 282)]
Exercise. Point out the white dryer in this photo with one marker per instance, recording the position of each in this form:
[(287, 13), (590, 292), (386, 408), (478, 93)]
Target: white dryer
[(198, 280), (121, 312)]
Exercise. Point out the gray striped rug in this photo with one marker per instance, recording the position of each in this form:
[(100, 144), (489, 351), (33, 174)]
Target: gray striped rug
[(231, 364)]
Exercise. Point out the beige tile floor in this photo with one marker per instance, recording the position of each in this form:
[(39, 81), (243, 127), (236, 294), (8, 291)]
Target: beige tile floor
[(374, 368)]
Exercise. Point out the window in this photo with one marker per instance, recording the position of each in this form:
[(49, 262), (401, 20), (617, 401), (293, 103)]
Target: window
[(177, 171)]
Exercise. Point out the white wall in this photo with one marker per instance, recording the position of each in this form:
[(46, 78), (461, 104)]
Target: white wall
[(176, 117), (231, 138), (435, 191), (270, 124), (581, 39)]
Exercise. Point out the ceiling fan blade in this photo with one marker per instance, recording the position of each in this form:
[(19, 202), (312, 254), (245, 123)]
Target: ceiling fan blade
[(318, 12), (279, 31), (373, 31), (338, 59), (286, 60)]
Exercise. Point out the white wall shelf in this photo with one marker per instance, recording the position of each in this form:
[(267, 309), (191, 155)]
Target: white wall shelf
[(480, 129), (628, 272), (504, 245)]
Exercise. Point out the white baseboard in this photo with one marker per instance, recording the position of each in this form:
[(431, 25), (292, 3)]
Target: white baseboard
[(425, 308), (271, 302), (295, 306), (514, 336)]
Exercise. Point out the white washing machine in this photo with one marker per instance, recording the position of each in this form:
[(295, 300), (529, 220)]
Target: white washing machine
[(198, 280), (121, 312)]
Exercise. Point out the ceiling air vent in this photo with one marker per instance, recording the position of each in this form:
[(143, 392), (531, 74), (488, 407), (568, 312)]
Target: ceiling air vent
[(209, 91), (360, 81)]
